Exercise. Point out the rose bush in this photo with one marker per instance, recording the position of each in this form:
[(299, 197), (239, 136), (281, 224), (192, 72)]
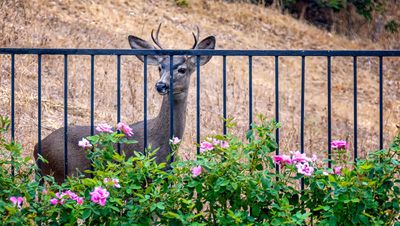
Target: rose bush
[(231, 182)]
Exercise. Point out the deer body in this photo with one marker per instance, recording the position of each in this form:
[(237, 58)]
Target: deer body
[(158, 128)]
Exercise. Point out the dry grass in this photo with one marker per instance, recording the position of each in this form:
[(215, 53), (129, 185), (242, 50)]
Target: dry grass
[(106, 24)]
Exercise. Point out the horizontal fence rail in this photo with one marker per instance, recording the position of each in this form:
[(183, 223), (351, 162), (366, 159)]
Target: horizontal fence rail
[(358, 53), (13, 52)]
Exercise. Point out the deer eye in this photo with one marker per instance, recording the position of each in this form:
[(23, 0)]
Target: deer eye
[(182, 70)]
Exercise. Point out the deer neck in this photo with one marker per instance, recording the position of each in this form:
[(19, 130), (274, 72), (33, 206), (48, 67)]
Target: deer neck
[(163, 118)]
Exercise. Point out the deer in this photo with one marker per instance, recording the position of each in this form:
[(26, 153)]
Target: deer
[(158, 128)]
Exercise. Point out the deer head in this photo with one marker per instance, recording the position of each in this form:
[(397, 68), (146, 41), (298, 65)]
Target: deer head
[(183, 66)]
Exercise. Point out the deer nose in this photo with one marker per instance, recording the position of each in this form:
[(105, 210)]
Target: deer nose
[(161, 87)]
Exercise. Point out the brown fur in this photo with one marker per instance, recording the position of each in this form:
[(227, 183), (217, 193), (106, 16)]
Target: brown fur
[(158, 127)]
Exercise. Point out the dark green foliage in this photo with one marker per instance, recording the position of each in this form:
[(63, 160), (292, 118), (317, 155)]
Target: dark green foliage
[(392, 26), (182, 3), (238, 185)]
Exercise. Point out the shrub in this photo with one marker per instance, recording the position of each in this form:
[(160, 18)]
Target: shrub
[(230, 182)]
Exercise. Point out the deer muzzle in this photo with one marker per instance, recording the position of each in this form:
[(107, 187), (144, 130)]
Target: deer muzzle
[(162, 88)]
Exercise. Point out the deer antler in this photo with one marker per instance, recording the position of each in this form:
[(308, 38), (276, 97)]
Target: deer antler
[(196, 37), (155, 40)]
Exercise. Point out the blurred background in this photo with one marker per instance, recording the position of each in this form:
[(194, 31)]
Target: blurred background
[(252, 24)]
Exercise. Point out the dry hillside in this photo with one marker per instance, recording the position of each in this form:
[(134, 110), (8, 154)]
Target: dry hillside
[(106, 24)]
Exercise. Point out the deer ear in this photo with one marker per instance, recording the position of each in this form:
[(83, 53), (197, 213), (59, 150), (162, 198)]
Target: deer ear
[(138, 43), (207, 43)]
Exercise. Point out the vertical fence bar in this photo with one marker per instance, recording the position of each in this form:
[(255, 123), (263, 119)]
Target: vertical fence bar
[(171, 100), (224, 91), (329, 114), (65, 115), (303, 60), (12, 96), (91, 101), (198, 102), (145, 104), (277, 107), (380, 102), (91, 95), (355, 107), (12, 104), (302, 104), (250, 91), (119, 95), (277, 100), (39, 109)]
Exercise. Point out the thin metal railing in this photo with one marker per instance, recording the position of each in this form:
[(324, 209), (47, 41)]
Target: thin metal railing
[(65, 115), (198, 53)]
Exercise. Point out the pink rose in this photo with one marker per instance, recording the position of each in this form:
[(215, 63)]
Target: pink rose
[(114, 182), (300, 157), (128, 131), (304, 168), (224, 144), (54, 201), (206, 146), (17, 201), (79, 200), (84, 143), (175, 140), (282, 160), (196, 171), (337, 170), (339, 144), (105, 128), (99, 195)]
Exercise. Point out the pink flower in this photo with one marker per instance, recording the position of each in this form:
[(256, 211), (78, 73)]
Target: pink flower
[(337, 170), (104, 127), (17, 201), (44, 192), (339, 144), (224, 144), (196, 171), (79, 200), (206, 146), (99, 195), (282, 160), (175, 140), (54, 201), (304, 168), (215, 141), (125, 129), (84, 143), (300, 157), (114, 182), (71, 195), (60, 198)]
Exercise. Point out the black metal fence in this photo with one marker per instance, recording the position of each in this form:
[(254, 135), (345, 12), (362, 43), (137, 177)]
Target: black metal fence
[(224, 53)]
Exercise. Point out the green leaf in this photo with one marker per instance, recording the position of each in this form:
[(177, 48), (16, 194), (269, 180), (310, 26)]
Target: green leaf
[(160, 206), (172, 215), (364, 219), (114, 208), (153, 207), (86, 214)]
